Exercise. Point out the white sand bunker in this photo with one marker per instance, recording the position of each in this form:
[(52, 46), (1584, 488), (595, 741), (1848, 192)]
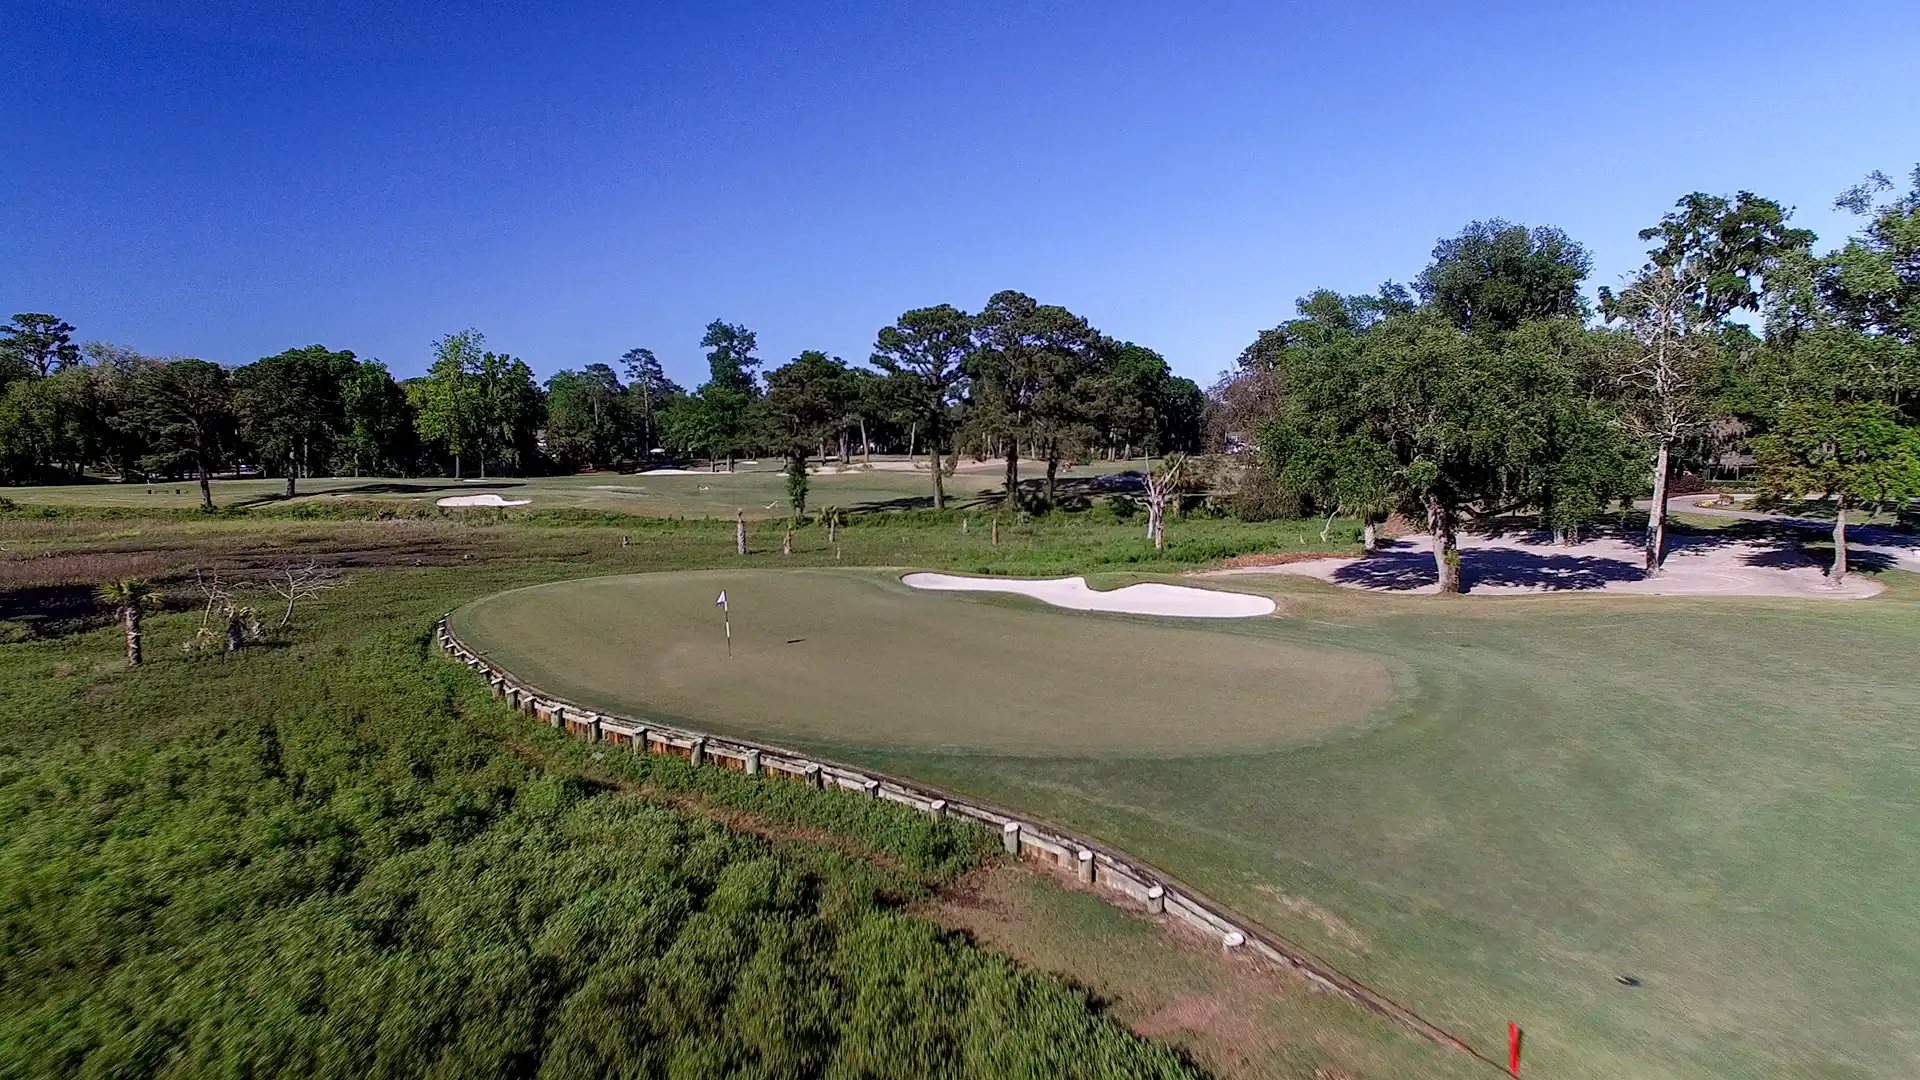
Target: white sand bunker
[(1173, 601), (1609, 565), (489, 499)]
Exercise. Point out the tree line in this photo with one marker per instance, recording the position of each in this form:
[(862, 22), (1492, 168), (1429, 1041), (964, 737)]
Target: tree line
[(1017, 379), (1493, 387)]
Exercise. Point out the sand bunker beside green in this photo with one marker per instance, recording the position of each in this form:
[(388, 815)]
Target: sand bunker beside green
[(844, 658)]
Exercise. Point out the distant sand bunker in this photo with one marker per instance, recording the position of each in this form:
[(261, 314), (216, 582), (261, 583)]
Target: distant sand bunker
[(1173, 601), (489, 499)]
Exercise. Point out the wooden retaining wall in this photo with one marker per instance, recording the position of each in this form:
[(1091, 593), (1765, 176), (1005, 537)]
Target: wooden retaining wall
[(1121, 879)]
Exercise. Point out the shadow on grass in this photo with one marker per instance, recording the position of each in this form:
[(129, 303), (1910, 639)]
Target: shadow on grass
[(50, 611)]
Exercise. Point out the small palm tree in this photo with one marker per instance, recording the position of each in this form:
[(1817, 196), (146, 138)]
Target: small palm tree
[(130, 599)]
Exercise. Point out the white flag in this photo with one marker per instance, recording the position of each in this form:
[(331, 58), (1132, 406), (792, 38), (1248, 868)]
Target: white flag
[(722, 602)]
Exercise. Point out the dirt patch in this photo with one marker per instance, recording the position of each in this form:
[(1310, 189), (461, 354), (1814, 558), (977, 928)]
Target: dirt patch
[(1342, 932), (53, 570), (1185, 1014), (1233, 1016), (32, 555)]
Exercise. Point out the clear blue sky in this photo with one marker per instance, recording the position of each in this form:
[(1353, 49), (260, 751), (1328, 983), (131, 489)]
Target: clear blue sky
[(227, 179)]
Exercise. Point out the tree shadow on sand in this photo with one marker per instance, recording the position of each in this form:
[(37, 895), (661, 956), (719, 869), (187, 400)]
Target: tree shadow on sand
[(1404, 567)]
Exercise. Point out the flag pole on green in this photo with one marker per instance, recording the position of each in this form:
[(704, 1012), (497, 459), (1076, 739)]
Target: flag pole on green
[(726, 616)]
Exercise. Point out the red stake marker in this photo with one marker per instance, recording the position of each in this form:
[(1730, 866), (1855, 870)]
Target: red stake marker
[(1513, 1048)]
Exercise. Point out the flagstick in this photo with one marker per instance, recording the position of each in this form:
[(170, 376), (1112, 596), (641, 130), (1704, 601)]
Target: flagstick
[(726, 614)]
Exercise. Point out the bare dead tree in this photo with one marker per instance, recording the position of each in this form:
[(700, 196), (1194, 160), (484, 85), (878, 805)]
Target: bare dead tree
[(222, 601), (1162, 484), (215, 590), (293, 583), (1665, 374)]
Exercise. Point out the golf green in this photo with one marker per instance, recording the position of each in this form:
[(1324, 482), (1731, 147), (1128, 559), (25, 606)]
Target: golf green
[(1710, 798), (845, 658)]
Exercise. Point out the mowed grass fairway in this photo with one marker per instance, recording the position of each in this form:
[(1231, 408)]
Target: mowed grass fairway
[(855, 659), (1718, 797), (758, 489)]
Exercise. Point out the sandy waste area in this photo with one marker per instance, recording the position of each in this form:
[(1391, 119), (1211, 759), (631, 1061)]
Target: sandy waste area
[(1528, 564)]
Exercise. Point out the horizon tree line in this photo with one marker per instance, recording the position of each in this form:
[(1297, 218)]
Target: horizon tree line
[(69, 412), (1489, 387)]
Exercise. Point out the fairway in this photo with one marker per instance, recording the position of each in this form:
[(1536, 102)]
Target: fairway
[(856, 659), (757, 489)]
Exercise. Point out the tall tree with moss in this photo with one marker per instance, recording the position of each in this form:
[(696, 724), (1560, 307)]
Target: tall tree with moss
[(586, 417), (923, 354), (183, 413), (729, 398), (1495, 276), (1714, 256), (291, 408), (379, 426), (1852, 454), (1026, 375), (36, 345), (447, 402), (806, 399), (1871, 285), (649, 394), (1452, 424)]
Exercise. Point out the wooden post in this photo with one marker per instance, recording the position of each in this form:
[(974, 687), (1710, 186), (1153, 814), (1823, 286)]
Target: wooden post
[(699, 752), (814, 777), (938, 808), (593, 727), (640, 740), (1232, 941), (1086, 867), (557, 717), (753, 763), (871, 787), (1010, 837), (1157, 900)]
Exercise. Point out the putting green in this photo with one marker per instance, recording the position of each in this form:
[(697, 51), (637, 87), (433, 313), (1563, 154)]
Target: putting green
[(857, 659)]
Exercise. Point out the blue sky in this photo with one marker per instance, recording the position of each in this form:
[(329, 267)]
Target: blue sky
[(228, 179)]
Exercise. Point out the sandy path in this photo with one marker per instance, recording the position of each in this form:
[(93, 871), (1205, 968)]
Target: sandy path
[(1520, 565), (1172, 601)]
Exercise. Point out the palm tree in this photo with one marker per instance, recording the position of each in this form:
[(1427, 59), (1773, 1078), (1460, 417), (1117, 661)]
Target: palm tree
[(130, 598)]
